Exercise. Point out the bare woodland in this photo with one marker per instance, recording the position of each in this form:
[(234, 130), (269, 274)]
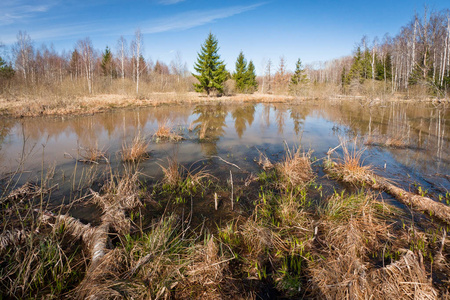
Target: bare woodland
[(414, 63)]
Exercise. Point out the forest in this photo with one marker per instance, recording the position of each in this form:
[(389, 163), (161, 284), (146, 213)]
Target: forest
[(415, 63), (161, 180)]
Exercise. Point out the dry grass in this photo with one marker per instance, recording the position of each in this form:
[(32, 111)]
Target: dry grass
[(391, 142), (172, 173), (296, 169), (165, 132), (178, 176), (137, 150), (91, 155), (206, 275), (264, 161), (350, 168)]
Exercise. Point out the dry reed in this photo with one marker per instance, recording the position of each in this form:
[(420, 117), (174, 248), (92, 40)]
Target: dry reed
[(164, 132), (296, 169), (136, 151)]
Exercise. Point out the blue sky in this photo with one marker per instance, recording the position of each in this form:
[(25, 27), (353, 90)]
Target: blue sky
[(311, 30)]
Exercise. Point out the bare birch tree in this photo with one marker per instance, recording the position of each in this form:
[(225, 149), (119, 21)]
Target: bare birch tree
[(137, 49), (86, 52), (121, 54), (23, 53)]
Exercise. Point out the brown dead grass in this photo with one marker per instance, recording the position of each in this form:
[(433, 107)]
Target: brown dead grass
[(264, 162), (296, 169), (350, 167), (391, 142), (165, 132), (91, 154), (137, 150), (344, 269)]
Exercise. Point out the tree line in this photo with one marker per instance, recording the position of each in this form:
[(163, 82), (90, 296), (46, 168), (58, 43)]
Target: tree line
[(416, 59), (31, 67)]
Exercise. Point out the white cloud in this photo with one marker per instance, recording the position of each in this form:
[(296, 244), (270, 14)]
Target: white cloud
[(170, 2), (195, 18), (14, 11)]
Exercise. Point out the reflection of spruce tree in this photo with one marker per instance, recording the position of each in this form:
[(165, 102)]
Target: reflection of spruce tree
[(210, 126), (298, 115), (280, 113), (243, 116), (5, 129)]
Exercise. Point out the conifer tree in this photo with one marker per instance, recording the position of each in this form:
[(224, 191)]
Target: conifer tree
[(106, 62), (211, 70), (356, 70), (6, 71), (240, 75), (251, 83), (298, 78)]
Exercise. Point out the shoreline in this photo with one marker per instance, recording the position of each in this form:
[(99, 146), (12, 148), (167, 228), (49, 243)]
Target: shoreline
[(100, 103)]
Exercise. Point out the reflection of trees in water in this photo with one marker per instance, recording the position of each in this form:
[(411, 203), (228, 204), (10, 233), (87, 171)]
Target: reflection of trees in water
[(422, 128), (243, 116), (298, 115), (5, 129), (210, 125), (88, 129), (280, 117)]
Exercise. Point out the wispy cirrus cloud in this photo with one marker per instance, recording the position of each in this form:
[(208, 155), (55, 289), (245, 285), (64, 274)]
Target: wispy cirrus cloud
[(17, 11), (191, 19), (170, 2), (177, 22)]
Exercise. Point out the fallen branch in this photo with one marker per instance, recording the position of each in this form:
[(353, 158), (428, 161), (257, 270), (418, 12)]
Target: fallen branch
[(231, 164), (424, 204)]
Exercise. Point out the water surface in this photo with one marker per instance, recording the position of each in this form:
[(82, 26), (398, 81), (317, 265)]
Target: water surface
[(236, 133)]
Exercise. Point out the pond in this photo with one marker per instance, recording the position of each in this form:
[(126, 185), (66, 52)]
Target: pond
[(407, 143)]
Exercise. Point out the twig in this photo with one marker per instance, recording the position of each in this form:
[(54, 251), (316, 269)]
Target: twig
[(332, 150), (231, 180), (231, 164), (216, 201)]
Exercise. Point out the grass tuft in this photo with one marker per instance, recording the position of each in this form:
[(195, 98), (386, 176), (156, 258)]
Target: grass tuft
[(136, 151)]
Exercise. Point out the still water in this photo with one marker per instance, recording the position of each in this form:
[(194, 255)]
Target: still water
[(237, 133)]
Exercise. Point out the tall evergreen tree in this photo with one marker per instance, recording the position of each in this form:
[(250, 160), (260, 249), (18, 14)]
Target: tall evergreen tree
[(252, 84), (211, 70), (240, 75), (356, 70), (6, 71), (298, 78), (107, 62)]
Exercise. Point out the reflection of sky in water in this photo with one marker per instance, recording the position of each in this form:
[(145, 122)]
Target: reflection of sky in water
[(235, 132)]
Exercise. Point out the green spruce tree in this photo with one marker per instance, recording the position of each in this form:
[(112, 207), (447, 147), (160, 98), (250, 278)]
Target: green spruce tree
[(6, 71), (107, 62), (356, 70), (240, 75), (211, 70), (251, 83), (298, 79)]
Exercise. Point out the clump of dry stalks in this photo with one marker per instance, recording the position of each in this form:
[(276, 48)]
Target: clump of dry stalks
[(206, 274), (164, 132), (296, 169), (264, 162), (91, 155), (176, 174), (344, 271), (118, 196), (137, 150), (351, 169), (393, 141)]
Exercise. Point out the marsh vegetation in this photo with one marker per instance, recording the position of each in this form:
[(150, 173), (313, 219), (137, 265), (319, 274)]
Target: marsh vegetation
[(228, 201)]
